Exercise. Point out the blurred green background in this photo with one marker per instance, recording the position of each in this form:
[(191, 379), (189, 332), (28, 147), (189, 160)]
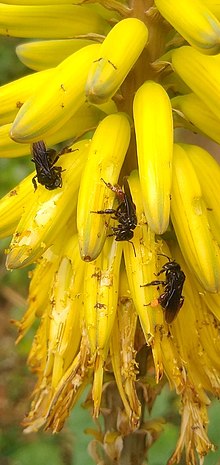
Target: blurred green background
[(70, 446)]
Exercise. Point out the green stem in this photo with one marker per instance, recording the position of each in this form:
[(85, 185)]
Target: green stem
[(129, 448)]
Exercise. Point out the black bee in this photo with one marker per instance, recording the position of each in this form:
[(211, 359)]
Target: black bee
[(125, 214), (44, 159), (171, 300)]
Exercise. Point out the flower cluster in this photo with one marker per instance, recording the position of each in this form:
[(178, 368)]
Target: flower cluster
[(121, 203)]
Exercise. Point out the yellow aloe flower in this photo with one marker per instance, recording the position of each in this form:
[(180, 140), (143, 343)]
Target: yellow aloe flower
[(122, 225)]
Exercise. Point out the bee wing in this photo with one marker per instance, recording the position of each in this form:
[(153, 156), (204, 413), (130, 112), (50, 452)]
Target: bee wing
[(130, 206), (40, 155), (172, 303)]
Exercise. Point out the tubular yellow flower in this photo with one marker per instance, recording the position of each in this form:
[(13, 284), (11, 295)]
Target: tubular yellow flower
[(214, 7), (100, 304), (154, 134), (38, 294), (140, 262), (208, 172), (12, 206), (44, 113), (190, 220), (115, 58), (122, 227), (85, 119), (40, 55), (197, 112), (106, 155), (123, 352), (48, 214), (37, 21), (14, 94), (194, 21), (65, 314), (200, 73), (101, 296)]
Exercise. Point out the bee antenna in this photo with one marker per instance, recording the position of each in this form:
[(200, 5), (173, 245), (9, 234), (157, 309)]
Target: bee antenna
[(130, 242), (163, 255)]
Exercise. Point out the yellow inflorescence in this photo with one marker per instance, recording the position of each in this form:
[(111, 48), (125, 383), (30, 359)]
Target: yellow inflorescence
[(133, 230)]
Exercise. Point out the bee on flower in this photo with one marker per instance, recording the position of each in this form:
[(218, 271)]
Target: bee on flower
[(113, 80)]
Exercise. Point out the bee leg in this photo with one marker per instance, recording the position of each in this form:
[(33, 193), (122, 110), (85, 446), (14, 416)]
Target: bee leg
[(130, 242), (34, 182), (108, 211), (154, 283), (67, 150), (160, 272), (116, 189), (58, 169), (52, 156)]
